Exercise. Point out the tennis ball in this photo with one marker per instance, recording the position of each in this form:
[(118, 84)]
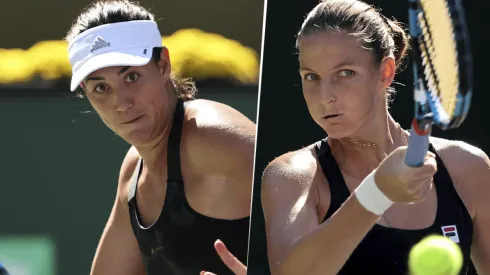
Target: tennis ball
[(435, 255)]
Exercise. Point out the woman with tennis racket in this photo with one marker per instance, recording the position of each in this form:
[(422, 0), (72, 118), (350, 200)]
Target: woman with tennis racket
[(349, 204), (173, 200)]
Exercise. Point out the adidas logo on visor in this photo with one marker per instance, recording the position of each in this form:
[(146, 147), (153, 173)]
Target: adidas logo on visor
[(99, 43)]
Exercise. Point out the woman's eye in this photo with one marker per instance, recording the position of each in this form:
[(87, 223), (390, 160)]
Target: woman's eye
[(100, 88), (132, 77), (311, 77), (346, 73)]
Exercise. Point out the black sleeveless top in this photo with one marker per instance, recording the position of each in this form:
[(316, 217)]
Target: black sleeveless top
[(385, 250), (181, 241)]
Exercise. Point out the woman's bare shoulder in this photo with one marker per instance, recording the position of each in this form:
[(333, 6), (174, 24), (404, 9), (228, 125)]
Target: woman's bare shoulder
[(127, 172), (469, 169), (295, 169), (458, 155)]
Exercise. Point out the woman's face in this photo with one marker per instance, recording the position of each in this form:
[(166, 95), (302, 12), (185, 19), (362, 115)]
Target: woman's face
[(343, 87), (134, 102)]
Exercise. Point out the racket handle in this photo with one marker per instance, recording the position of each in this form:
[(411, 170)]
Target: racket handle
[(418, 143)]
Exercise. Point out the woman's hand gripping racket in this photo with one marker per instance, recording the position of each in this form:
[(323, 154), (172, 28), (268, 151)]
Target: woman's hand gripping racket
[(442, 68)]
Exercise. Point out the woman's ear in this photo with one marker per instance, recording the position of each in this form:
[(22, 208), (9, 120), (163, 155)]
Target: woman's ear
[(387, 71), (164, 63)]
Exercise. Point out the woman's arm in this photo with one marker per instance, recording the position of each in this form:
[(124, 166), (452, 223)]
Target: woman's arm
[(297, 242), (470, 171)]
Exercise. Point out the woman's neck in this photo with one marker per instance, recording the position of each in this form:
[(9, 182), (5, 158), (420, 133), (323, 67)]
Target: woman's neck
[(154, 153), (373, 142)]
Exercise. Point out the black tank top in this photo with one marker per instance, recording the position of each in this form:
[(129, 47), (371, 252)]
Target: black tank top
[(181, 241), (385, 250)]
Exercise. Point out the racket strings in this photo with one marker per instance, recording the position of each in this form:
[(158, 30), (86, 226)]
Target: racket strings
[(439, 53), (430, 73)]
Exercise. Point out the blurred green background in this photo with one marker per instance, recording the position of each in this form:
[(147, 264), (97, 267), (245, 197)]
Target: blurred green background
[(60, 168)]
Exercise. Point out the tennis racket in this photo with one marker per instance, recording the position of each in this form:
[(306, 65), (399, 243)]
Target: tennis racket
[(442, 68)]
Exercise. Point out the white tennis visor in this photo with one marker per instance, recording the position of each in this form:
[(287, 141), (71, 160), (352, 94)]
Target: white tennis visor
[(128, 43)]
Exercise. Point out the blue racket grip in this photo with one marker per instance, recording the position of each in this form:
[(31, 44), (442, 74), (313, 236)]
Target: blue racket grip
[(418, 145)]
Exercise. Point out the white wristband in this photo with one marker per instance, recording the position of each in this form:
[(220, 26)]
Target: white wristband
[(373, 199)]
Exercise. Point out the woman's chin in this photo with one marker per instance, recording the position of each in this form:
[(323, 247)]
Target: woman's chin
[(136, 138), (338, 133)]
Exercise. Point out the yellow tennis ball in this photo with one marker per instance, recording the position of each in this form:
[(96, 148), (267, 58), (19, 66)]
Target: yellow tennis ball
[(435, 255)]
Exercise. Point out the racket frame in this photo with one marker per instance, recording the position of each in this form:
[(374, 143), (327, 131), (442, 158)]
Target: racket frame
[(428, 110)]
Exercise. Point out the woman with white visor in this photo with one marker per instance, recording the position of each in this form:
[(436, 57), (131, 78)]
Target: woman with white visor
[(185, 184)]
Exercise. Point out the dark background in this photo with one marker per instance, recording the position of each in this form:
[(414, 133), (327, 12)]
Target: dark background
[(285, 124), (24, 22)]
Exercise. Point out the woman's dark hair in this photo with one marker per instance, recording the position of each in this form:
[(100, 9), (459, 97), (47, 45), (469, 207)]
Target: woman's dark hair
[(377, 33), (114, 11)]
